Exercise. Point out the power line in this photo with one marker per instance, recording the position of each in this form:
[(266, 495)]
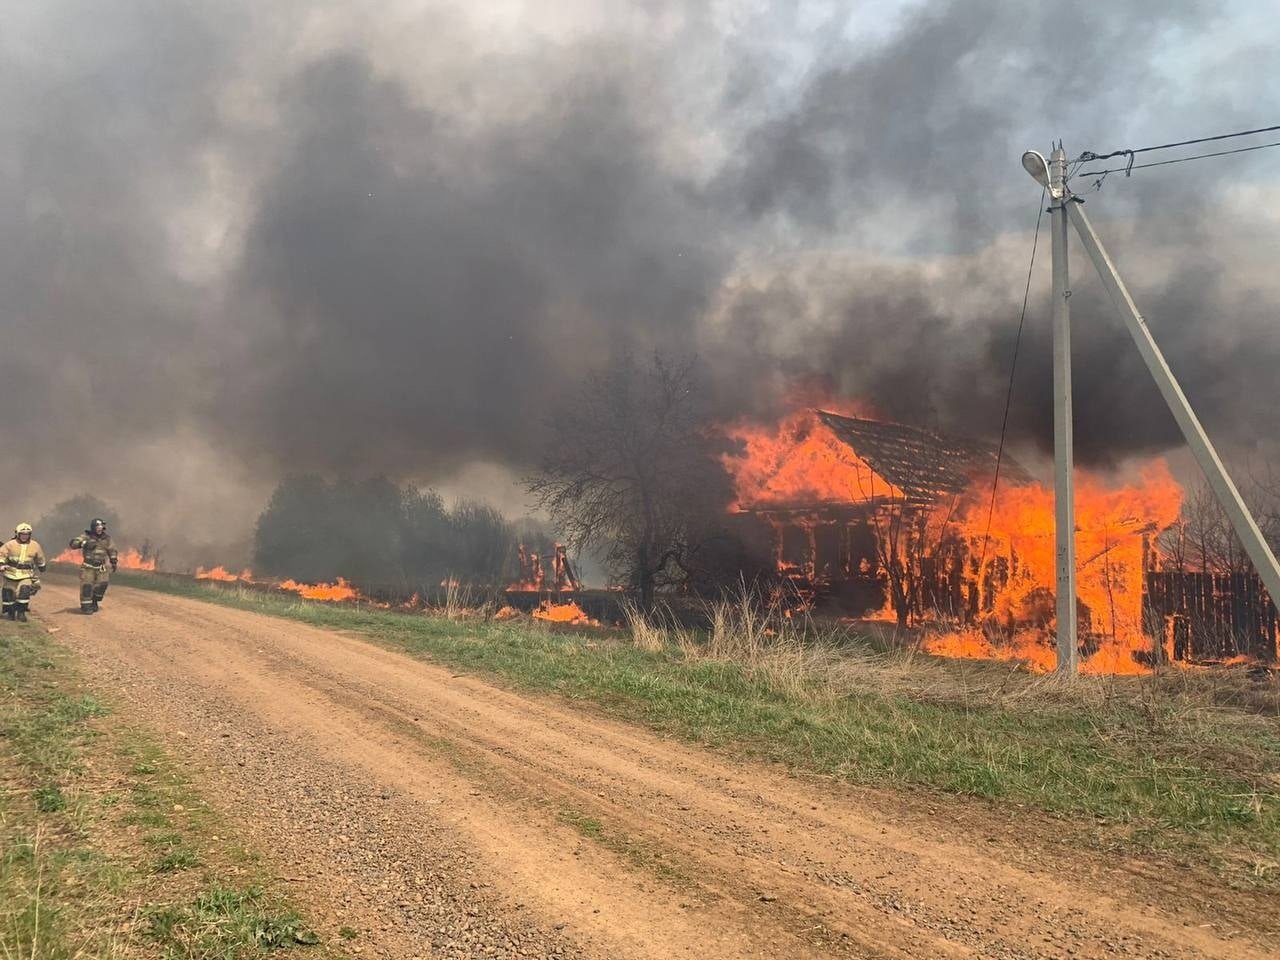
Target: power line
[(1013, 367), (1090, 155), (1162, 163)]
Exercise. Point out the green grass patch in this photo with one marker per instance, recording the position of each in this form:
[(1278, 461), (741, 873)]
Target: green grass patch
[(177, 858), (49, 798), (226, 922), (589, 827), (170, 839), (1154, 764)]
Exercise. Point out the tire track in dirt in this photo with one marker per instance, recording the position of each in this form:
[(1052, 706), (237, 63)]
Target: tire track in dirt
[(538, 829)]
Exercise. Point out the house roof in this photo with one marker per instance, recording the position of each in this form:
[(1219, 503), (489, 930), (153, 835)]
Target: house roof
[(922, 464)]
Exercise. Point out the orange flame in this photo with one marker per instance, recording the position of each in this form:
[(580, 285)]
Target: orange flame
[(1027, 647), (223, 574), (1111, 521), (564, 613), (801, 463), (342, 590), (533, 573), (334, 592), (129, 559), (798, 461)]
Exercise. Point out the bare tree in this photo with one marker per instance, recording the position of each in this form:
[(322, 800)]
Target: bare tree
[(1174, 545), (629, 470), (1264, 499), (910, 538), (1202, 538)]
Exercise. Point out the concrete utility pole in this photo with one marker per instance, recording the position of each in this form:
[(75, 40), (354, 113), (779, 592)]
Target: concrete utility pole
[(1052, 175), (1064, 495), (1242, 521)]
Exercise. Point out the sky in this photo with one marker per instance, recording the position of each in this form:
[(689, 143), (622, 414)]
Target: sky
[(240, 240)]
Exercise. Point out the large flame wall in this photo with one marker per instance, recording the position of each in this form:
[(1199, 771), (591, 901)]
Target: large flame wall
[(801, 461), (1115, 524)]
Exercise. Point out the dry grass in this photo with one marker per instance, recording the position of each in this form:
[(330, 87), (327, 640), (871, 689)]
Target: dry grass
[(457, 601), (34, 924), (771, 640), (830, 660), (648, 631), (463, 602)]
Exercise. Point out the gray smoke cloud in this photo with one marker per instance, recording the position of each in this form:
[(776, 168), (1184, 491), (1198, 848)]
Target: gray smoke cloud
[(240, 240), (908, 151), (422, 292)]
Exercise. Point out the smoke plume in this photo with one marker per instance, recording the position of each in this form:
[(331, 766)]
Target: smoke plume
[(244, 240)]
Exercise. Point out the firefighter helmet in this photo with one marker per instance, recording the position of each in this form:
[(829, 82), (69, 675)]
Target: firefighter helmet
[(22, 528), (95, 522)]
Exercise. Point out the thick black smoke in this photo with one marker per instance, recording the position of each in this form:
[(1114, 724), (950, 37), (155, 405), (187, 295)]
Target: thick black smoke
[(244, 240), (421, 293)]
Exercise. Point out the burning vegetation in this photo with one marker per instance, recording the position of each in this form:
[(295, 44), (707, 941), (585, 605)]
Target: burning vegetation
[(222, 574), (544, 607), (533, 574), (339, 591), (130, 559), (565, 613), (335, 592)]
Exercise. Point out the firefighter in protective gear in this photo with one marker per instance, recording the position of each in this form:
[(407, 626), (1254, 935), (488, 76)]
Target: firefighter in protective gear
[(21, 559), (97, 552)]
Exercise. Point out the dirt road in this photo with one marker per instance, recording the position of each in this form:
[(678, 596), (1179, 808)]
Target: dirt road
[(442, 816)]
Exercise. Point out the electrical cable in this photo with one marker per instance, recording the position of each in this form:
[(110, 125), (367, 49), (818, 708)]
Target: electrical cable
[(1008, 397), (1090, 155), (1129, 168)]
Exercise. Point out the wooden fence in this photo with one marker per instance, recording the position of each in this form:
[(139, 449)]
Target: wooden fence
[(1205, 616)]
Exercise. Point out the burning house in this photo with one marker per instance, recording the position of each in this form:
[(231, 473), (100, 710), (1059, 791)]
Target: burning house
[(889, 521), (841, 503)]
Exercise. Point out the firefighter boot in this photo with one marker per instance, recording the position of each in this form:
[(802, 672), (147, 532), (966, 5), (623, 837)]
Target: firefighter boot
[(86, 598), (22, 615)]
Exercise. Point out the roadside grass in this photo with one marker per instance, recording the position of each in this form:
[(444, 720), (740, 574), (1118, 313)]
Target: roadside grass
[(105, 849), (225, 922), (1184, 762)]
